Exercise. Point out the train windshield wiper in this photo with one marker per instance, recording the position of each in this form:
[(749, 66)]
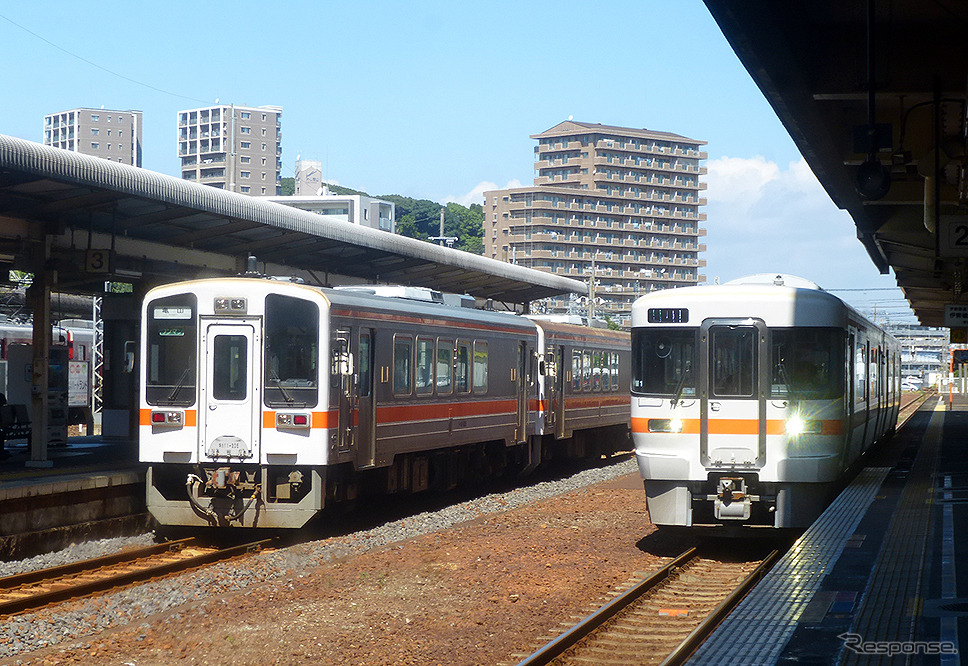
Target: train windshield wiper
[(786, 380), (680, 386), (273, 377), (179, 384)]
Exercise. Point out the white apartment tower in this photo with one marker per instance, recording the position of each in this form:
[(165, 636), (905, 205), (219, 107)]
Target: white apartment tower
[(236, 148), (106, 133), (618, 207)]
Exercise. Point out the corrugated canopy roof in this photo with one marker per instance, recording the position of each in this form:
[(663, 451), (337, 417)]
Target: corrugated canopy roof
[(881, 123), (163, 228)]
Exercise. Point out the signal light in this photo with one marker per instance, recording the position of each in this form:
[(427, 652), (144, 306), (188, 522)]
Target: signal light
[(157, 417), (300, 420)]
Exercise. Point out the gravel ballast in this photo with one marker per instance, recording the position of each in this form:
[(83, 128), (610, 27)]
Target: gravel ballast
[(288, 567)]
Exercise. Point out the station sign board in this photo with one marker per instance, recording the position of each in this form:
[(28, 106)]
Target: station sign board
[(953, 236), (955, 315)]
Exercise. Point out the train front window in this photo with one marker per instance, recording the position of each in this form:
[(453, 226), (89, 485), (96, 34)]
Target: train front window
[(171, 358), (291, 352), (663, 361), (732, 355), (807, 363), (231, 361)]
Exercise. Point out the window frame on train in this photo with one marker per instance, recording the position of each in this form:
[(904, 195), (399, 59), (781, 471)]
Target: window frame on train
[(171, 376), (283, 314)]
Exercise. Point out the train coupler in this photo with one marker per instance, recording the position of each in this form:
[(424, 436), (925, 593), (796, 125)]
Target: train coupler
[(731, 501)]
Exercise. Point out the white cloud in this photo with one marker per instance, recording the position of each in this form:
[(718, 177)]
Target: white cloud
[(476, 195), (762, 218)]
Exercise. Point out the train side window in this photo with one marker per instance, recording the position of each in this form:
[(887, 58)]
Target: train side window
[(586, 371), (576, 370), (614, 370), (596, 371), (860, 371), (424, 379), (480, 366), (402, 364), (462, 367), (364, 364), (445, 367)]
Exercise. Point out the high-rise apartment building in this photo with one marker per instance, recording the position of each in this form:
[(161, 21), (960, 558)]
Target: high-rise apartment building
[(616, 203), (107, 133), (236, 148)]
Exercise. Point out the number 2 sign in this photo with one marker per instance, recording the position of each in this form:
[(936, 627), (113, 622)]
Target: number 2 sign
[(954, 236)]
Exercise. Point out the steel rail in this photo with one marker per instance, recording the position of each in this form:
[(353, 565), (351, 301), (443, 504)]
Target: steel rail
[(69, 589), (685, 649), (558, 646)]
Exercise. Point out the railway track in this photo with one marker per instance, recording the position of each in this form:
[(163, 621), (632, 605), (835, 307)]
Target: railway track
[(661, 619), (45, 587)]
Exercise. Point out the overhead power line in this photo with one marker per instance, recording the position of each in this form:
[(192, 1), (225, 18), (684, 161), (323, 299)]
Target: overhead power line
[(94, 64)]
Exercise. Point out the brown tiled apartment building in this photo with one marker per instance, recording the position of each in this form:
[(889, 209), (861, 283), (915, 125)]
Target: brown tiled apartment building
[(623, 202), (235, 148), (106, 133)]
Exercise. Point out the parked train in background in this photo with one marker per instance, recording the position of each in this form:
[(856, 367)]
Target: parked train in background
[(70, 375), (752, 399), (263, 401)]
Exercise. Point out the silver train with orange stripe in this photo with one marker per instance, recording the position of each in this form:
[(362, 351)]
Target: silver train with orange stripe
[(752, 399), (265, 401)]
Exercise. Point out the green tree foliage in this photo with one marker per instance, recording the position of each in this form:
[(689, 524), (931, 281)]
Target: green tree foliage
[(420, 218), (467, 224)]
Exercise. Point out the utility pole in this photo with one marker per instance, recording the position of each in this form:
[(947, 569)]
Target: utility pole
[(443, 240)]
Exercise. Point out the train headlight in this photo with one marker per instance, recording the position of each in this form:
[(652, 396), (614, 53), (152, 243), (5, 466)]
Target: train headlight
[(796, 425), (665, 425)]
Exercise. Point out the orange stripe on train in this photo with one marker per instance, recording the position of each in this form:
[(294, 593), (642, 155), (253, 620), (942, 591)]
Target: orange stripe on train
[(738, 426)]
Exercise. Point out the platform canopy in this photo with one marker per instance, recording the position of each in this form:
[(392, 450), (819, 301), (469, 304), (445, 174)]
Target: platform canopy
[(874, 95), (108, 221)]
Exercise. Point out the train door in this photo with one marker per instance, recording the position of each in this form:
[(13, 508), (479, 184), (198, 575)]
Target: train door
[(366, 434), (522, 385), (733, 386), (549, 371), (231, 395), (343, 384), (559, 406)]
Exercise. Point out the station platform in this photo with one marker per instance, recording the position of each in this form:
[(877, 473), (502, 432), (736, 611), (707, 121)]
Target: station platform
[(874, 580), (93, 487)]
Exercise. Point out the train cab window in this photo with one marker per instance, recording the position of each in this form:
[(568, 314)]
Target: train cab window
[(172, 339), (445, 367), (230, 361), (662, 361), (806, 363), (462, 367), (291, 352), (480, 366), (402, 364), (424, 376)]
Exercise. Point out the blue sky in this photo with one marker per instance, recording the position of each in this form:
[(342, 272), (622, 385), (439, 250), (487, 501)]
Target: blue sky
[(437, 100)]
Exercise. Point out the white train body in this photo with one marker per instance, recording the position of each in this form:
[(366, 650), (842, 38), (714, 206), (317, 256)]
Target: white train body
[(751, 399), (264, 401)]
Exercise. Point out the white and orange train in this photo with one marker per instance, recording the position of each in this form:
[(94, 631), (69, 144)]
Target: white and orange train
[(264, 401), (751, 399)]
